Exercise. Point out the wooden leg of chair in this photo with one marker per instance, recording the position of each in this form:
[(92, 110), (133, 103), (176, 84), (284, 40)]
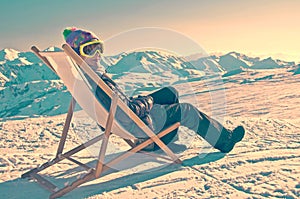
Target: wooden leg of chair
[(88, 177), (100, 162), (66, 127), (62, 156), (92, 174), (129, 142), (167, 150), (155, 138), (143, 145), (109, 123)]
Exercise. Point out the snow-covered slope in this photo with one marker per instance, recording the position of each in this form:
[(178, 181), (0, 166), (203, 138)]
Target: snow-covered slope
[(35, 98), (265, 164), (21, 67), (28, 87)]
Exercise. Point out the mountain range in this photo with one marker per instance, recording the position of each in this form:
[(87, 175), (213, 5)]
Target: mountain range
[(28, 88)]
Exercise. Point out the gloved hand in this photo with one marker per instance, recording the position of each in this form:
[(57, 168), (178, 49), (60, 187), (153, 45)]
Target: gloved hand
[(108, 81), (141, 105)]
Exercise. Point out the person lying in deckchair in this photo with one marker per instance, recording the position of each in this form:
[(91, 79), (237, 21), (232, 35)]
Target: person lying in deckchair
[(159, 109)]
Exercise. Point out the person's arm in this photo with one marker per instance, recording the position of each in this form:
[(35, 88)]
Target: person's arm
[(141, 105)]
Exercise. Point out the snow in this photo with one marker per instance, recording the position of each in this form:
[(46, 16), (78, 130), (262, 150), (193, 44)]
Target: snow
[(264, 164), (268, 63), (34, 98), (24, 61), (11, 54), (3, 79), (52, 49)]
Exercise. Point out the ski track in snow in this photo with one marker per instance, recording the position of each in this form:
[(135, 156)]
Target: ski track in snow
[(264, 164)]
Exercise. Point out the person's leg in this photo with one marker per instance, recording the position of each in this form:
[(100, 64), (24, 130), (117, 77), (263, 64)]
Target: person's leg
[(167, 95), (209, 129)]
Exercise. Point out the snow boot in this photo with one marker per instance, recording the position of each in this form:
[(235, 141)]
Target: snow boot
[(234, 137)]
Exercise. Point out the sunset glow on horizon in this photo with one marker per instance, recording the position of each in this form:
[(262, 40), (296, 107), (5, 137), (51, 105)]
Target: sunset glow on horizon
[(260, 28)]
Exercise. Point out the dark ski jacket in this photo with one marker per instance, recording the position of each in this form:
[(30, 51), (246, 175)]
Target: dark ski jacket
[(140, 105)]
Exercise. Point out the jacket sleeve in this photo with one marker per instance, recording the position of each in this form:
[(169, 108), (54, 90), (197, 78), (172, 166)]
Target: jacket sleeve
[(141, 105)]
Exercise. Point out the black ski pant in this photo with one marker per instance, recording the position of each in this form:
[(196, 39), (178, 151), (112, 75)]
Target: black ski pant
[(167, 110)]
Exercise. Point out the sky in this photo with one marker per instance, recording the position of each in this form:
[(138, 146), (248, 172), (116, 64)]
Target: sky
[(256, 27)]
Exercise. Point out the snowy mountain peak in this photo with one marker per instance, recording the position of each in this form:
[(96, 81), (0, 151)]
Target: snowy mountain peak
[(53, 49), (269, 60), (26, 81), (10, 54), (233, 61), (149, 62), (270, 63), (242, 57), (234, 54)]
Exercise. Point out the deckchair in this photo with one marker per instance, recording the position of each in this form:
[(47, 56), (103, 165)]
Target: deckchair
[(68, 65)]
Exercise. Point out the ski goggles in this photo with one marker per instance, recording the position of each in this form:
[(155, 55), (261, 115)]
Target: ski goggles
[(90, 49)]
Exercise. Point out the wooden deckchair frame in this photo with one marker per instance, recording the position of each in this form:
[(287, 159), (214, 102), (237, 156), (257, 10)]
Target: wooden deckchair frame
[(95, 172)]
